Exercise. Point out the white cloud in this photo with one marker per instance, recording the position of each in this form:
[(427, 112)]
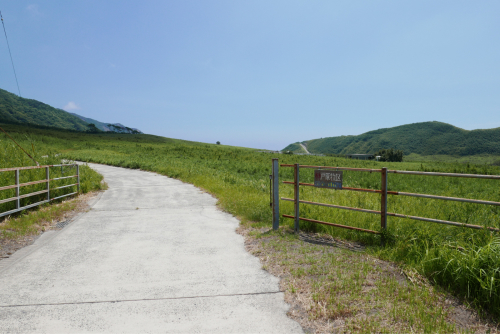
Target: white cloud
[(71, 106), (34, 10)]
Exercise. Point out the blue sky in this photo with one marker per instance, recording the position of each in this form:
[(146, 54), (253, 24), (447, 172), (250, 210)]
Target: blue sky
[(258, 74)]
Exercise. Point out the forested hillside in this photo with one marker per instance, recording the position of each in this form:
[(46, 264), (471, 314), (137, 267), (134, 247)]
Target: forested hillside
[(15, 109), (427, 138), (107, 127)]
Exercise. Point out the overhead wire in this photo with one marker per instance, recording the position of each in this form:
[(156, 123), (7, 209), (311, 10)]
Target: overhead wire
[(10, 53), (19, 90)]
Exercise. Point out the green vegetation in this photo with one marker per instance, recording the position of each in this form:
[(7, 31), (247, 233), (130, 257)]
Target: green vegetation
[(91, 128), (15, 109), (390, 155), (344, 290), (36, 220), (294, 148), (18, 110), (461, 260), (40, 146), (428, 138), (479, 159), (100, 125)]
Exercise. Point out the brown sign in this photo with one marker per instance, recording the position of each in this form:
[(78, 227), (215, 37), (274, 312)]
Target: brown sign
[(328, 179)]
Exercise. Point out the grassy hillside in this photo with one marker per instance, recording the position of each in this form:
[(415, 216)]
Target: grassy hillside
[(461, 260), (116, 127), (100, 125), (428, 138), (15, 109)]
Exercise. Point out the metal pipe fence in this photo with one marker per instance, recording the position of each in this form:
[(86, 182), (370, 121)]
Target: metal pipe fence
[(383, 192), (48, 189)]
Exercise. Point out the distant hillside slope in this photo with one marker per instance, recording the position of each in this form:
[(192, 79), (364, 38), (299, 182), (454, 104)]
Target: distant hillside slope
[(427, 138), (15, 109), (101, 126), (20, 110), (115, 127)]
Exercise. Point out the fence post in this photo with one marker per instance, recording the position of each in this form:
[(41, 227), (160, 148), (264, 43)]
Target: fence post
[(296, 197), (276, 195), (383, 201), (78, 178), (18, 200), (47, 176)]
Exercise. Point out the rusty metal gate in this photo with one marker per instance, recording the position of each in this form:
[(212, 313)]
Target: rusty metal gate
[(383, 192)]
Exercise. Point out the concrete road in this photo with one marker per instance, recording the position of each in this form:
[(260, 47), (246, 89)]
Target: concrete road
[(153, 255)]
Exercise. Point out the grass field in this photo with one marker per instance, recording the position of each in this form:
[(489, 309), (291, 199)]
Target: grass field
[(479, 159), (44, 154), (463, 261)]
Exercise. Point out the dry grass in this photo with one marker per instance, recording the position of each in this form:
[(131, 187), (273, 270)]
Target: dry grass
[(333, 286)]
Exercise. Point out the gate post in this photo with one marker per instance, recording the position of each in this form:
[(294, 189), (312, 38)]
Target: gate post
[(383, 201), (276, 195), (47, 176), (296, 197), (18, 200), (78, 178)]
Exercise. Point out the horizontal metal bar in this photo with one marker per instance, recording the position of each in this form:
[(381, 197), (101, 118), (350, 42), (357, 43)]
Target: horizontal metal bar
[(475, 176), (33, 167), (457, 199), (53, 199), (8, 200), (23, 184), (346, 188), (36, 182), (69, 185), (64, 177), (23, 208), (34, 193), (333, 206), (397, 215), (332, 224), (337, 168), (441, 221), (9, 187)]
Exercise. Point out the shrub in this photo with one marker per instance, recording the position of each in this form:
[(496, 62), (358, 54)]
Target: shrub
[(390, 155)]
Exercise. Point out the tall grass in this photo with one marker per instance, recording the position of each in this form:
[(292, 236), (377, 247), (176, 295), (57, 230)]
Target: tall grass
[(12, 156), (462, 260)]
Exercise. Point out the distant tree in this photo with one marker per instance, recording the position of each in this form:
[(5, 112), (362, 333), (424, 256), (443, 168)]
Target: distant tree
[(218, 142), (390, 155), (91, 128)]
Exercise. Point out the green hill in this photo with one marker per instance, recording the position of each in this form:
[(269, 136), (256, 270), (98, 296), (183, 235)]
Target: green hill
[(100, 125), (15, 109), (427, 138), (107, 127)]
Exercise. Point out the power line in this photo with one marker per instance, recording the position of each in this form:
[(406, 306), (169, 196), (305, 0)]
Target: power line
[(17, 82), (11, 60)]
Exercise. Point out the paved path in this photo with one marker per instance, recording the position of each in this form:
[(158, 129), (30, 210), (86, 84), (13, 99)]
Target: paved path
[(154, 255)]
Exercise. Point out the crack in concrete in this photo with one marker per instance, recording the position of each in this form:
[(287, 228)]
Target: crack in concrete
[(155, 208), (143, 299)]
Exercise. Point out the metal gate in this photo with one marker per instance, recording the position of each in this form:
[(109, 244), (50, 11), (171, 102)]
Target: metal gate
[(384, 172), (17, 186)]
